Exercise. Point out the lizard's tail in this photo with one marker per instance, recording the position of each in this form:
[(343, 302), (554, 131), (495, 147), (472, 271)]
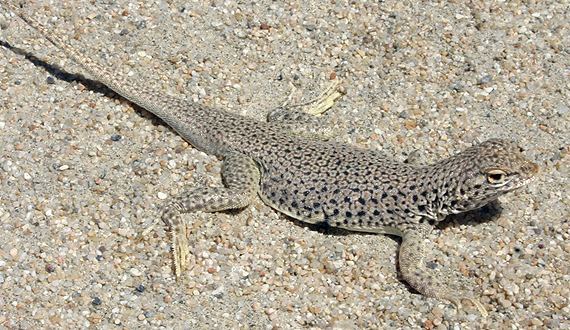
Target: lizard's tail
[(158, 104)]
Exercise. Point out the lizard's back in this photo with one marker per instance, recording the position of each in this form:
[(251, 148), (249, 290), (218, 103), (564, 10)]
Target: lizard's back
[(320, 181)]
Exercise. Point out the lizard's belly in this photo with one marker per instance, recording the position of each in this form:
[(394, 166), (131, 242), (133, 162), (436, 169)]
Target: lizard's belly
[(310, 216)]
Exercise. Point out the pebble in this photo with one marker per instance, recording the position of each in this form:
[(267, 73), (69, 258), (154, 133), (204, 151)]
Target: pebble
[(562, 110), (485, 80), (96, 301), (135, 272)]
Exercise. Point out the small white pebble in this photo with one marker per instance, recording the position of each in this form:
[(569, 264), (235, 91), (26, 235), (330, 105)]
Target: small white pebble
[(161, 195), (135, 272), (27, 176), (437, 321), (7, 166), (63, 167), (124, 232)]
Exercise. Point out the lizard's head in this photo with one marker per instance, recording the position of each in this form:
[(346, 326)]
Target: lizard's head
[(488, 170)]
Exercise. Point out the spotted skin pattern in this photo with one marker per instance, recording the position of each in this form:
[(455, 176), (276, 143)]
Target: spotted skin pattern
[(319, 181)]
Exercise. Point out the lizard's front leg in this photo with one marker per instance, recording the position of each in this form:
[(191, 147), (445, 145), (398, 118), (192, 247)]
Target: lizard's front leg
[(415, 272), (241, 179)]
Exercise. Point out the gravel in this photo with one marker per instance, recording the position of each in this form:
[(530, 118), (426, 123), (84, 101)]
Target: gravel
[(83, 173)]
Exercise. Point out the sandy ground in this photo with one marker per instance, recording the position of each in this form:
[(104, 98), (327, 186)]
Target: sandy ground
[(83, 173)]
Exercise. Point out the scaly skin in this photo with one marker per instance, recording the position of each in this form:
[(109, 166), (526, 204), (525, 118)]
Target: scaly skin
[(318, 181)]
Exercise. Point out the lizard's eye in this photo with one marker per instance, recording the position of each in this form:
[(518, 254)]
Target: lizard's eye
[(496, 176)]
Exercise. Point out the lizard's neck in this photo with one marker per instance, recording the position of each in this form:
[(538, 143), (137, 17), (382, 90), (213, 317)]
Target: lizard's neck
[(453, 186)]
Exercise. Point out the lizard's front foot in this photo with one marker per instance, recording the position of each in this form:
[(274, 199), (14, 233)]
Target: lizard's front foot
[(425, 280), (457, 302)]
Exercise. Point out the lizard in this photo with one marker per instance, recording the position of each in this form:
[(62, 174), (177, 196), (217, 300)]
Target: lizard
[(316, 180)]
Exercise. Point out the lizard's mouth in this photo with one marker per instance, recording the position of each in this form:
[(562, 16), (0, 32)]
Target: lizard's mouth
[(527, 174)]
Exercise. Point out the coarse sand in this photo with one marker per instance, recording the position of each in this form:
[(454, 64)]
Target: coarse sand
[(83, 172)]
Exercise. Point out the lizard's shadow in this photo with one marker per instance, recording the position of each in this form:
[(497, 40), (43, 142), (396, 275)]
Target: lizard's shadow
[(90, 84), (488, 213), (61, 74)]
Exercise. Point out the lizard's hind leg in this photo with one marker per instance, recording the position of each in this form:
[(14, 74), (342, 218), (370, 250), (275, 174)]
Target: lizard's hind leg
[(305, 119), (241, 179)]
